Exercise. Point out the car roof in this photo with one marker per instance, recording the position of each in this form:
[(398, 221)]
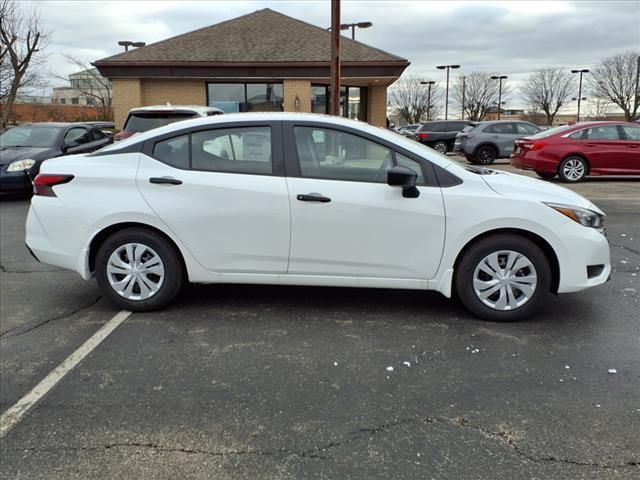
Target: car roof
[(55, 124), (177, 108)]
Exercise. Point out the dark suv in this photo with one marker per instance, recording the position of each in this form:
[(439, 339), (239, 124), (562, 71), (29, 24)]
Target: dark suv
[(440, 135)]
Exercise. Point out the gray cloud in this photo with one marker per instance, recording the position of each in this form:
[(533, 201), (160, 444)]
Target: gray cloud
[(513, 38)]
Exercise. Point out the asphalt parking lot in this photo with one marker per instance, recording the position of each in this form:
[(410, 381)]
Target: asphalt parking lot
[(237, 382)]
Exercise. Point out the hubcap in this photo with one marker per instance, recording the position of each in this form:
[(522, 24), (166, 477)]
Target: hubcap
[(505, 280), (135, 271), (441, 147), (573, 169)]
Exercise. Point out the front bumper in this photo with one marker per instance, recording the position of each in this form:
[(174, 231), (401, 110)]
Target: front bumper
[(15, 182)]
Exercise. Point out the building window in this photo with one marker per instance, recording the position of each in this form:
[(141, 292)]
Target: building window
[(245, 97), (75, 101), (63, 101), (353, 101), (91, 101)]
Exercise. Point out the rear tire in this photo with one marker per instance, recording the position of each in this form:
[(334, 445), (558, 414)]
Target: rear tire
[(573, 169), (139, 270), (546, 175), (441, 147), (486, 155), (503, 278)]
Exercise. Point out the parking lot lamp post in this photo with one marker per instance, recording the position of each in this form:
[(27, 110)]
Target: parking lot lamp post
[(352, 26), (637, 102), (499, 78), (127, 43), (429, 84), (463, 92), (581, 72), (446, 102)]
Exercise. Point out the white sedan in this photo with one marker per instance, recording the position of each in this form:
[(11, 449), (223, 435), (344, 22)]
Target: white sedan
[(295, 199)]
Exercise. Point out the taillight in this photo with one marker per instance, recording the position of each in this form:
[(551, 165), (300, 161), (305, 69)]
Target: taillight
[(44, 183), (422, 135), (466, 135), (534, 145)]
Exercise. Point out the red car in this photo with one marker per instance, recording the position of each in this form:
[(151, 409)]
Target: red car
[(575, 151)]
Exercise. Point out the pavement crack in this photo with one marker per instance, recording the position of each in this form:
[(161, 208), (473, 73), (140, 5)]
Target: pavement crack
[(6, 333), (628, 249), (508, 439)]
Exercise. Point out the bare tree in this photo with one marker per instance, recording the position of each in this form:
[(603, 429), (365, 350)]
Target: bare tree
[(615, 79), (548, 89), (600, 107), (412, 99), (21, 38), (481, 94), (91, 84)]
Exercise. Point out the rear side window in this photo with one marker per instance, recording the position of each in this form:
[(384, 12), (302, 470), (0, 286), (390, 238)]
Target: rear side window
[(232, 150), (605, 132), (143, 121), (174, 151), (503, 128), (432, 127), (97, 134), (455, 126), (631, 132)]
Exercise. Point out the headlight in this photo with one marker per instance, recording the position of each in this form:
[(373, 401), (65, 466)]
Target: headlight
[(585, 217), (20, 165)]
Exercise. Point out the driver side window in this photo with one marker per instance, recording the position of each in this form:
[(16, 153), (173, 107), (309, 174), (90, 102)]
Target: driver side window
[(335, 155)]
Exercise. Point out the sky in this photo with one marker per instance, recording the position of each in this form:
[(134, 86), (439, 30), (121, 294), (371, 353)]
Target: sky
[(511, 38)]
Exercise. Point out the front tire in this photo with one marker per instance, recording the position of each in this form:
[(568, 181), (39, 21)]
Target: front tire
[(503, 278), (573, 169), (486, 155), (139, 270)]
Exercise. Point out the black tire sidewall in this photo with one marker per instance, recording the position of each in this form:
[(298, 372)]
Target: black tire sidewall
[(464, 276), (480, 161), (173, 269), (561, 170)]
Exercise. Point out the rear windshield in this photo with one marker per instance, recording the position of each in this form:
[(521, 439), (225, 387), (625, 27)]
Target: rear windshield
[(551, 131), (141, 122)]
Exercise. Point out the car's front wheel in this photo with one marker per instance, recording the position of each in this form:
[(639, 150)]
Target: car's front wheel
[(573, 169), (503, 278), (139, 270), (486, 155)]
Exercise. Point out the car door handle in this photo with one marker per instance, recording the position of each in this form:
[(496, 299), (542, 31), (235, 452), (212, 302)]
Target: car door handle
[(633, 146), (592, 144), (165, 181), (313, 197)]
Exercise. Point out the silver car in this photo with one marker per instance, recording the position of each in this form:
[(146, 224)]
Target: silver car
[(483, 142)]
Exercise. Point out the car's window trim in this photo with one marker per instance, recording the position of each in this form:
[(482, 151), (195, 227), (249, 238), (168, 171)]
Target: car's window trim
[(277, 161), (292, 165)]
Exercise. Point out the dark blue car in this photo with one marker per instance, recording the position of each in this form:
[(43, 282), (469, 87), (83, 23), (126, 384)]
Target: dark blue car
[(25, 147)]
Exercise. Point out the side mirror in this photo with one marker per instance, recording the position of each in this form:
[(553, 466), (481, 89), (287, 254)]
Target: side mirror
[(404, 177)]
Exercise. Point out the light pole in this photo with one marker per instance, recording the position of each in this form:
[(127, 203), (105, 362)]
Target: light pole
[(637, 102), (127, 43), (429, 84), (499, 78), (446, 103), (581, 72), (352, 26)]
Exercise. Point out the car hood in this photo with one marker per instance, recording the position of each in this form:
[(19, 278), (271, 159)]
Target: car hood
[(10, 154), (512, 185)]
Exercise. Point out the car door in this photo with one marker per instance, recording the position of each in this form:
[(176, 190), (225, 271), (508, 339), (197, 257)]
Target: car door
[(605, 150), (221, 191), (631, 142), (502, 135), (346, 220)]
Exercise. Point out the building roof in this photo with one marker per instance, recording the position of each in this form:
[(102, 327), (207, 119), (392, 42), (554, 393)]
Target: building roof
[(264, 36)]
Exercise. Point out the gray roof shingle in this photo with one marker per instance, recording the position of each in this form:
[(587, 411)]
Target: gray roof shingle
[(261, 36)]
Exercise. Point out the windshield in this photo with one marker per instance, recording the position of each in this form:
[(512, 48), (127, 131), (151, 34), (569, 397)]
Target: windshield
[(30, 136), (141, 122), (551, 131)]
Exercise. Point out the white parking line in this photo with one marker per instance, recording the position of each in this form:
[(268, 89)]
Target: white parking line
[(13, 415)]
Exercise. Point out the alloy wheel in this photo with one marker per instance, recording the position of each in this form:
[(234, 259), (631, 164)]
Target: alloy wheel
[(573, 169)]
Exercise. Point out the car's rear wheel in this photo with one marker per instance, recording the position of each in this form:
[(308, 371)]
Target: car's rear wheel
[(503, 278), (546, 175), (573, 169), (440, 147), (139, 270), (486, 155)]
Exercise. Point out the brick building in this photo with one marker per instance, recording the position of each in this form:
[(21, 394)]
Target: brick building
[(263, 61)]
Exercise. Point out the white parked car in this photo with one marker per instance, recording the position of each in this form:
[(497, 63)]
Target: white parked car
[(295, 199)]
